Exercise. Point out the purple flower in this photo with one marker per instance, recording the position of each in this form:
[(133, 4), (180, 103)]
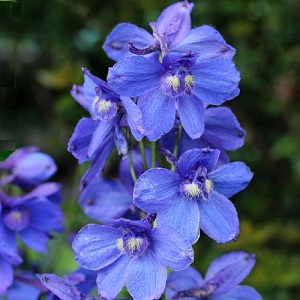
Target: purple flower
[(181, 83), (132, 253), (31, 219), (27, 167), (220, 283), (8, 258), (222, 131), (171, 32), (172, 26), (107, 110), (103, 199), (195, 196)]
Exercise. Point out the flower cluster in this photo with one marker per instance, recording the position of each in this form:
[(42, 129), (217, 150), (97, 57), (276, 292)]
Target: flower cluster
[(29, 207), (160, 109)]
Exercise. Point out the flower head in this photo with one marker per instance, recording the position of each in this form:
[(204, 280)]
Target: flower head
[(132, 253), (195, 196), (221, 281)]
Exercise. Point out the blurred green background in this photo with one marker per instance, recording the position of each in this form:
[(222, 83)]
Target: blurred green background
[(43, 45)]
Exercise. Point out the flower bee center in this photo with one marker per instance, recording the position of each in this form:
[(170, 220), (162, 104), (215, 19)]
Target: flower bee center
[(104, 109), (17, 220), (133, 243)]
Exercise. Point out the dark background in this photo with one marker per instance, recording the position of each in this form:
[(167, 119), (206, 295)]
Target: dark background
[(43, 45)]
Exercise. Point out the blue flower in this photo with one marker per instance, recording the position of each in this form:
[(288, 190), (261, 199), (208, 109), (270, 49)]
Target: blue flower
[(27, 167), (181, 83), (31, 219), (195, 196), (220, 283), (132, 253), (171, 32), (172, 26), (107, 110)]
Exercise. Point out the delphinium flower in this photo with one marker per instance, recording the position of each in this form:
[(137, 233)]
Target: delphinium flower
[(195, 196), (106, 199), (181, 83), (8, 258), (221, 281), (34, 211), (132, 253), (106, 109), (222, 131), (172, 31), (27, 167)]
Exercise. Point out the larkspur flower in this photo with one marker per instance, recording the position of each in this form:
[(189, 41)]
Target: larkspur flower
[(27, 167), (220, 283), (31, 219), (195, 196), (172, 26), (222, 131), (132, 253), (106, 199), (106, 109), (171, 32), (180, 83)]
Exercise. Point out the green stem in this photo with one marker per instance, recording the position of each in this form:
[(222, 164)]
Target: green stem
[(132, 172), (142, 147), (175, 151), (153, 152)]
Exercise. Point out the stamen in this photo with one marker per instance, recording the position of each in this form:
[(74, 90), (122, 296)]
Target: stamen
[(189, 82), (192, 190), (173, 82)]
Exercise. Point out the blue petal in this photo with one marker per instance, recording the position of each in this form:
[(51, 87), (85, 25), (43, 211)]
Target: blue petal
[(174, 23), (195, 158), (207, 41), (183, 215), (231, 178), (81, 139), (242, 292), (216, 80), (156, 189), (158, 112), (102, 130), (219, 218), (110, 280), (35, 239), (103, 200), (116, 43), (191, 113), (171, 248), (146, 277), (134, 76), (95, 246), (227, 271), (97, 165), (9, 254), (222, 125), (6, 276), (134, 118), (60, 287), (45, 215), (187, 279)]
